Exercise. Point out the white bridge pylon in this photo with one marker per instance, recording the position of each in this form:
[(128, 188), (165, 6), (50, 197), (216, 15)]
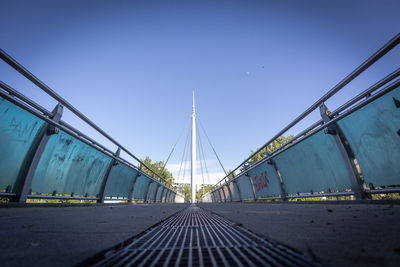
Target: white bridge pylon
[(193, 158)]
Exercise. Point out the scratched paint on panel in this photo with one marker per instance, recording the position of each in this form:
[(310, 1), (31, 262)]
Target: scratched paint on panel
[(245, 187), (70, 166), (265, 181), (120, 181), (373, 133), (18, 129), (314, 165)]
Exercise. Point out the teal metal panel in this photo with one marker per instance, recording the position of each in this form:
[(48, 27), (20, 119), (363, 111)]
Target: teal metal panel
[(314, 165), (373, 133), (227, 195), (159, 192), (234, 191), (244, 185), (18, 129), (120, 181), (140, 187), (70, 166), (265, 181), (152, 192)]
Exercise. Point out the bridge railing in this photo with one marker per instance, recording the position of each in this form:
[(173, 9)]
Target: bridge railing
[(354, 150), (42, 156)]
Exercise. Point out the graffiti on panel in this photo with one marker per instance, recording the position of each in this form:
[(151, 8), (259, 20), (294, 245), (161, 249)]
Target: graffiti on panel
[(261, 181)]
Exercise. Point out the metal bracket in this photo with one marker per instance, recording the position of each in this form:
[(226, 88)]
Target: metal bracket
[(279, 177), (357, 184), (32, 159), (130, 197), (107, 176), (147, 191)]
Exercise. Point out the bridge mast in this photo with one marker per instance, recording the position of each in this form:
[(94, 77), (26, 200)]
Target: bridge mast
[(193, 178)]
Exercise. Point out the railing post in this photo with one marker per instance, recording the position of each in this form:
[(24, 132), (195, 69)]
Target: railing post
[(161, 200), (155, 193), (166, 195), (220, 195), (130, 198), (107, 176), (252, 186), (223, 192), (32, 159), (279, 177), (229, 190), (237, 186), (147, 191), (357, 184)]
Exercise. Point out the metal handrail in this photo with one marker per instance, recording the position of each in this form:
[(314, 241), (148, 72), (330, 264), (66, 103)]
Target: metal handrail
[(21, 69), (366, 64), (317, 129)]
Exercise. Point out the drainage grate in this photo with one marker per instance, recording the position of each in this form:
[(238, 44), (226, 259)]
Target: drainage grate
[(195, 237)]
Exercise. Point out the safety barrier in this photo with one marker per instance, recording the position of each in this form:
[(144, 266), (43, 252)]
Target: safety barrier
[(354, 150), (42, 156)]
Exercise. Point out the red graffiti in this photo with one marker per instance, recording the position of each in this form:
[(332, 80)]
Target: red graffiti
[(261, 182)]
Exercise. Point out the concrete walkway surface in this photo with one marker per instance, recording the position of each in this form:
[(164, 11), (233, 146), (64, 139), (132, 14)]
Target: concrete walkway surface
[(338, 234), (67, 235)]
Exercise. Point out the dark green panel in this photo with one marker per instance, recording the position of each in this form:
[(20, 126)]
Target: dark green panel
[(70, 166), (152, 192), (140, 187), (18, 129), (159, 192), (265, 181), (373, 133), (227, 195), (120, 181), (245, 187), (234, 191), (314, 165)]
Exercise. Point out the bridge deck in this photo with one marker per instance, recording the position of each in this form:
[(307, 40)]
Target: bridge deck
[(342, 234), (338, 234), (65, 236)]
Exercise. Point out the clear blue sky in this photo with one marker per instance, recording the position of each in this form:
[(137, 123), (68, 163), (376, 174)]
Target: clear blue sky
[(131, 66)]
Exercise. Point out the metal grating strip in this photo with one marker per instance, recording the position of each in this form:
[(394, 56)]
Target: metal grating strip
[(195, 237)]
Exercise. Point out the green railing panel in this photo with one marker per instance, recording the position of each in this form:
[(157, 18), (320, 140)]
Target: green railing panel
[(141, 184), (373, 133), (152, 192), (70, 166), (18, 129), (265, 181), (159, 192), (245, 187), (314, 165), (234, 191), (120, 181)]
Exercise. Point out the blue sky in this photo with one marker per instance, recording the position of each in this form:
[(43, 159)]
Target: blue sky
[(131, 66)]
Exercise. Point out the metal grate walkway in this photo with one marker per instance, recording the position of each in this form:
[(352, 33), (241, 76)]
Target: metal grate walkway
[(195, 237)]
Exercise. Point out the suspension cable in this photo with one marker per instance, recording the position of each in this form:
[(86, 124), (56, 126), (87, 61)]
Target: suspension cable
[(173, 148), (183, 154), (205, 164), (201, 125)]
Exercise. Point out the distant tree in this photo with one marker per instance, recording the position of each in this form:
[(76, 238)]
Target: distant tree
[(203, 190), (231, 174), (157, 167), (281, 140), (186, 191)]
